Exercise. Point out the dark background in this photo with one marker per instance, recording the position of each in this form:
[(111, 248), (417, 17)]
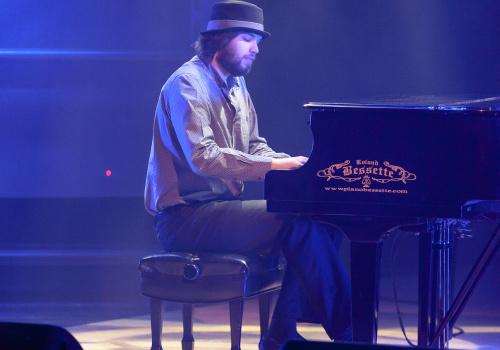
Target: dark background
[(79, 83), (79, 80)]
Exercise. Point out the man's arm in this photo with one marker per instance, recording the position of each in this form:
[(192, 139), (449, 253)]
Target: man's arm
[(257, 144), (189, 112)]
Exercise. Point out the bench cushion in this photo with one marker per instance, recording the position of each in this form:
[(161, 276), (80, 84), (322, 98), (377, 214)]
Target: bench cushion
[(207, 277)]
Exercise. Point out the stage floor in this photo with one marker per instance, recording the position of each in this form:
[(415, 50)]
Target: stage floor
[(480, 328), (96, 297)]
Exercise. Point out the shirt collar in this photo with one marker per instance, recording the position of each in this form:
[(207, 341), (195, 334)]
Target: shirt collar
[(228, 84)]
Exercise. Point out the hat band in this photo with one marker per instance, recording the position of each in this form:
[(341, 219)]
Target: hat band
[(229, 23)]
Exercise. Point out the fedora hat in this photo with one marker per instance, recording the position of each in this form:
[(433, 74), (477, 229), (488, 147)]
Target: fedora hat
[(235, 16)]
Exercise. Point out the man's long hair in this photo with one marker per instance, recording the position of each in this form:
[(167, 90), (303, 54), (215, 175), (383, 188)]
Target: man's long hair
[(208, 44)]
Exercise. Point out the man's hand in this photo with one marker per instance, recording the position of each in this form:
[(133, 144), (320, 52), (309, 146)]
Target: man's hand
[(288, 163)]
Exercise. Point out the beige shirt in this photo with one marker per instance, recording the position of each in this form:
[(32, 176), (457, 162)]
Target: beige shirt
[(205, 140)]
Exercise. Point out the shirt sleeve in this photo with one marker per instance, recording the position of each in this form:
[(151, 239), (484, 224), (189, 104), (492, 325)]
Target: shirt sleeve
[(188, 107), (258, 145)]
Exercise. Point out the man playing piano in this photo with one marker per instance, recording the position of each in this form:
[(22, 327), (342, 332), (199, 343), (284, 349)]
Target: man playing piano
[(205, 144)]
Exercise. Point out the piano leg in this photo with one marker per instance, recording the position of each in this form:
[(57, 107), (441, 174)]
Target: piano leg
[(365, 235), (435, 250), (365, 286), (469, 286), (424, 288)]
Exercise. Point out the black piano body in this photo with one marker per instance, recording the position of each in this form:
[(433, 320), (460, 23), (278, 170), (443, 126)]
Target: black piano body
[(375, 167)]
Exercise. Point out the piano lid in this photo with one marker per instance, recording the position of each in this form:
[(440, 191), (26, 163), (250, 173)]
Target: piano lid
[(430, 102)]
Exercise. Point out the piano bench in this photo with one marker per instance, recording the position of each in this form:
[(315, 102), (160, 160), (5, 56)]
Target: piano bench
[(190, 278)]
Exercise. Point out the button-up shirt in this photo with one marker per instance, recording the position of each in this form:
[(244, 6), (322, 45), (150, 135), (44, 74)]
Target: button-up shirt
[(205, 140)]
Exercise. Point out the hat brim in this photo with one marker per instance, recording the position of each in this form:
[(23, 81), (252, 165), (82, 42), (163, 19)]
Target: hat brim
[(262, 33)]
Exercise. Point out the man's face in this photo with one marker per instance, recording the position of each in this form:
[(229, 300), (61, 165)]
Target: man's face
[(237, 57)]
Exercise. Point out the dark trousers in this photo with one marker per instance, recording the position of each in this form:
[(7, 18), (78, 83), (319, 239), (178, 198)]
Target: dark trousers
[(315, 288)]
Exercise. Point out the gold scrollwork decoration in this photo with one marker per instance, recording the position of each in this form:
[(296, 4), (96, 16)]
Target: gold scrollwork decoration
[(404, 175), (329, 172)]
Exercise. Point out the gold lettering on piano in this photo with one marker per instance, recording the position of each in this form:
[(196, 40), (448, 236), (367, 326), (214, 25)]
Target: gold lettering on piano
[(366, 171)]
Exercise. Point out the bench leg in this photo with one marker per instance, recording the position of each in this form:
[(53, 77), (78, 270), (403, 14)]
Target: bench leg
[(235, 321), (156, 309), (187, 323), (264, 312)]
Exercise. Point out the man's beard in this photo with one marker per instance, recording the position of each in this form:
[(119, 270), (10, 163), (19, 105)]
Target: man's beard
[(228, 59)]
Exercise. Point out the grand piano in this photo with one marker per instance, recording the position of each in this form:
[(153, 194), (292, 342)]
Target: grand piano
[(420, 165)]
